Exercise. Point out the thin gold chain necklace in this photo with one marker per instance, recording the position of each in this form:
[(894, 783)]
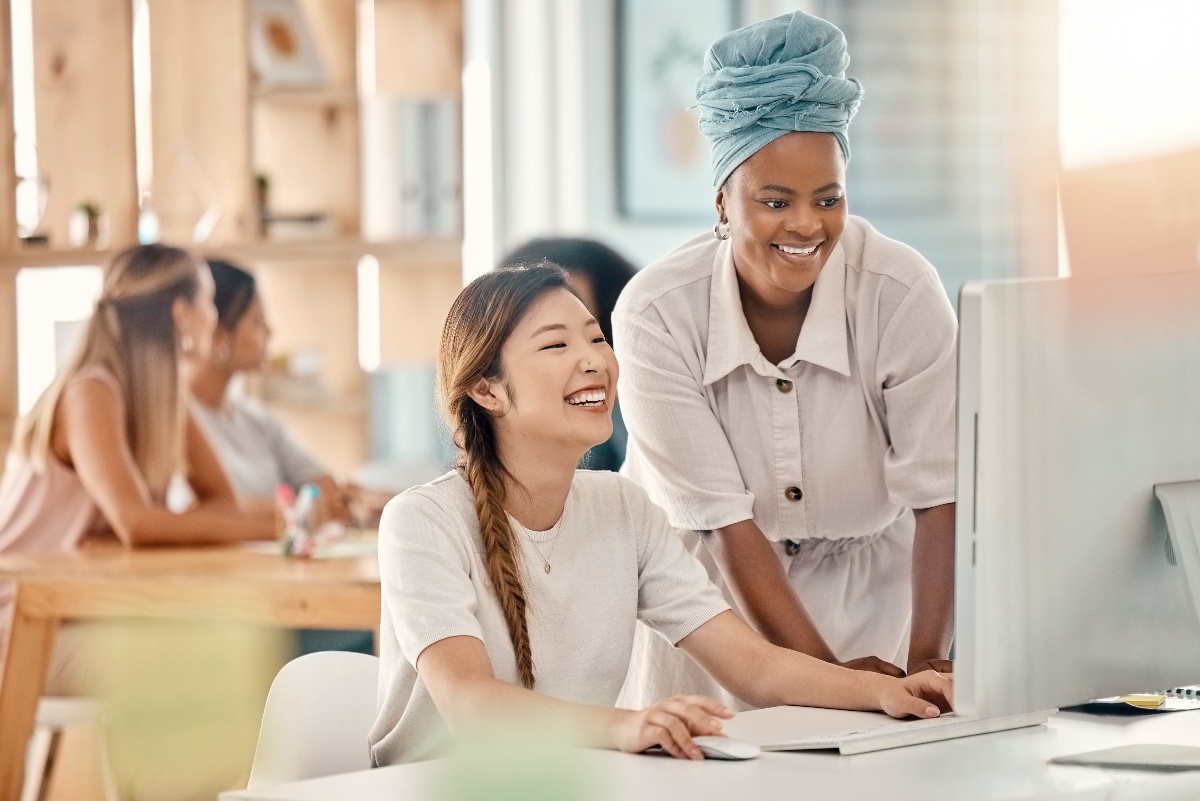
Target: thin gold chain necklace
[(554, 531)]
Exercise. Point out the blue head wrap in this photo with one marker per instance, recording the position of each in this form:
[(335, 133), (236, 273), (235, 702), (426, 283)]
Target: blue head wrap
[(767, 79)]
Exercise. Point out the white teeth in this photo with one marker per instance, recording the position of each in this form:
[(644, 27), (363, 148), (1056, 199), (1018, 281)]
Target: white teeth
[(799, 251), (586, 397)]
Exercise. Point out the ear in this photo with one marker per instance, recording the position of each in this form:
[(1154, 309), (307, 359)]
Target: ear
[(488, 395), (720, 203), (180, 313)]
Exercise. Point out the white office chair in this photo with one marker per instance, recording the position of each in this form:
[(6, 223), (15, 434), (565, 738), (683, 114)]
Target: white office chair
[(53, 715), (318, 713)]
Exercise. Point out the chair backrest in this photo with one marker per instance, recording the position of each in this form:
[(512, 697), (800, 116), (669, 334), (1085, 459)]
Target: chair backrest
[(318, 713)]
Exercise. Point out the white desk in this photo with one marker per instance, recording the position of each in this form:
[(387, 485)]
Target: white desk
[(1005, 765)]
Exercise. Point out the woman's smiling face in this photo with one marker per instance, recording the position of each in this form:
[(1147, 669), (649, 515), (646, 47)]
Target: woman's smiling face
[(559, 376), (786, 209)]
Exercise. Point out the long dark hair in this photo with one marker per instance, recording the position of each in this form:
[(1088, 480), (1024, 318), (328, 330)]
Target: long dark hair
[(479, 322), (235, 291)]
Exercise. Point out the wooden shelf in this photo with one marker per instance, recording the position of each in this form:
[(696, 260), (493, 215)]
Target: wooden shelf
[(307, 97), (412, 251), (51, 257)]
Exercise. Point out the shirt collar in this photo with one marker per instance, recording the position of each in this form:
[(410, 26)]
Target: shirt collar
[(822, 339)]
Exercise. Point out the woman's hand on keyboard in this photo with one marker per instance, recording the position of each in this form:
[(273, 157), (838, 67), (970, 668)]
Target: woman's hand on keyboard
[(924, 695)]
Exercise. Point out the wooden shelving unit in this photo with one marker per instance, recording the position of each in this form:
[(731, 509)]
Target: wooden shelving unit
[(401, 253), (213, 132)]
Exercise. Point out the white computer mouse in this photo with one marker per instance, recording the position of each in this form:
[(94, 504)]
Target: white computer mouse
[(726, 748)]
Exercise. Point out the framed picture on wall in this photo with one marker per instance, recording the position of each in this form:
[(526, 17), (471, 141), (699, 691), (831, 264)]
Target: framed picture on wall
[(663, 167), (283, 54)]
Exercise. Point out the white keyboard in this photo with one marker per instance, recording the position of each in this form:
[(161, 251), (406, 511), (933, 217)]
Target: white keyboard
[(910, 732)]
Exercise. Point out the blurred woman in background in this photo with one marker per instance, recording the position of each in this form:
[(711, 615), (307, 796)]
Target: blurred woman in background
[(596, 274), (252, 444), (99, 447)]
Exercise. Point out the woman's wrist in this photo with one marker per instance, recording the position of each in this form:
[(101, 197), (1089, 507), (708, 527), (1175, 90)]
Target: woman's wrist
[(610, 728), (874, 687)]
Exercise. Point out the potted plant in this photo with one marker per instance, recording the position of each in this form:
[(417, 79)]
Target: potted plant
[(85, 228)]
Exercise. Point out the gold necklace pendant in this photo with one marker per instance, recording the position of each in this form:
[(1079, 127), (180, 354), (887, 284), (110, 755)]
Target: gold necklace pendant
[(553, 540)]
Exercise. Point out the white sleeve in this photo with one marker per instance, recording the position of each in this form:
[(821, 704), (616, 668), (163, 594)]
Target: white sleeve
[(675, 596), (296, 465), (424, 570), (917, 370), (687, 461)]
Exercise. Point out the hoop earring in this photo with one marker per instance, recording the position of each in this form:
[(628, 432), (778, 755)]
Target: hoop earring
[(719, 232), (187, 344)]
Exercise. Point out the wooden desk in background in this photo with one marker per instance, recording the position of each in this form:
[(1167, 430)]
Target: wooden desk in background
[(212, 583)]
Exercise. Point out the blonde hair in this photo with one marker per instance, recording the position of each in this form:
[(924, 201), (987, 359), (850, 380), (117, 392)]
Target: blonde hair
[(132, 334), (477, 326)]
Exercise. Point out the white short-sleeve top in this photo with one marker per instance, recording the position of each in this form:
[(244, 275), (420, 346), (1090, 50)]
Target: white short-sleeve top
[(838, 440), (615, 560)]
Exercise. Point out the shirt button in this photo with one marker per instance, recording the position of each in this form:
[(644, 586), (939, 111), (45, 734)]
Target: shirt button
[(793, 493), (784, 385)]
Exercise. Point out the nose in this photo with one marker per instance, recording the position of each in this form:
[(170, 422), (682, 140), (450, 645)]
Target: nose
[(591, 362), (803, 221)]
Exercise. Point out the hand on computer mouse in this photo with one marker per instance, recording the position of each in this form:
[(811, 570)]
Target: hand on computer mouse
[(923, 695), (671, 724), (873, 664)]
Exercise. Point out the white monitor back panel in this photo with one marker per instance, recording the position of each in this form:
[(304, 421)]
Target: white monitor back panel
[(1075, 398)]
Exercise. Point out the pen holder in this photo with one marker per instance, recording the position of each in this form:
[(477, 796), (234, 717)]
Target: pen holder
[(297, 540)]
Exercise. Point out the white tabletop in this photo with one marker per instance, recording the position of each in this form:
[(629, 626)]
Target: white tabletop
[(1005, 765)]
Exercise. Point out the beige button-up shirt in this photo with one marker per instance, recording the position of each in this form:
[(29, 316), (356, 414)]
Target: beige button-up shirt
[(839, 440)]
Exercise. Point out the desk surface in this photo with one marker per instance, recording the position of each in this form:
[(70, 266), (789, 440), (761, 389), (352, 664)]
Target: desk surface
[(105, 561), (1005, 765)]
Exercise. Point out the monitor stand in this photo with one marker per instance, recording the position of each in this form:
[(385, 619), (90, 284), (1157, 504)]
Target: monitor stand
[(1181, 506)]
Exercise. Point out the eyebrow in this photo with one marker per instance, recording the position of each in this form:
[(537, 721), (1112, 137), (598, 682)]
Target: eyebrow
[(787, 191), (560, 327)]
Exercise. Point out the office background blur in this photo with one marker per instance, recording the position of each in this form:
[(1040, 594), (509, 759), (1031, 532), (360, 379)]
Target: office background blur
[(530, 118)]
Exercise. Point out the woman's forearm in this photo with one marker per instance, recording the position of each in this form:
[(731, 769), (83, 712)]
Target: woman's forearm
[(203, 525), (933, 585), (479, 703), (758, 581), (796, 679)]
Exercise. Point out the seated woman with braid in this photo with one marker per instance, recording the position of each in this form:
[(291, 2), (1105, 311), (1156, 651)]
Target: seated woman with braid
[(512, 585)]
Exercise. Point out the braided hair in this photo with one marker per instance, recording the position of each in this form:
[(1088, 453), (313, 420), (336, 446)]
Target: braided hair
[(482, 318)]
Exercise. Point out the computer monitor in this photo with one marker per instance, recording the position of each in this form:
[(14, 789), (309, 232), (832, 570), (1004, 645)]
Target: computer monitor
[(1076, 398)]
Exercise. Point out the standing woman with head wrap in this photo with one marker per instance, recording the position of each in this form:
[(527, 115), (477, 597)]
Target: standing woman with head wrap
[(788, 381)]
